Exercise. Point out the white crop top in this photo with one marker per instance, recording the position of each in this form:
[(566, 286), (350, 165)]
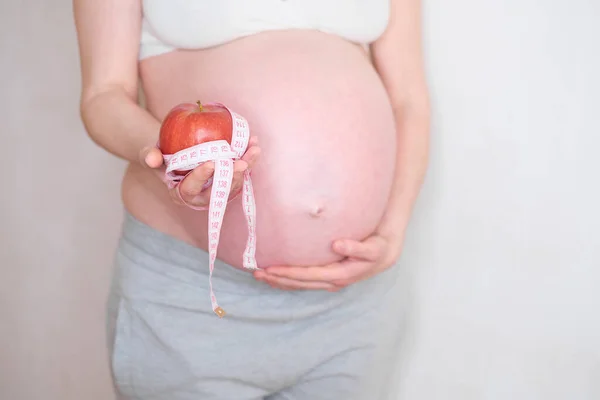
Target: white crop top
[(194, 24)]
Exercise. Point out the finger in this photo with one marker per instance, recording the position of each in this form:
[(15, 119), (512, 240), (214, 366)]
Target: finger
[(342, 271), (276, 285), (253, 141), (371, 249), (239, 167), (198, 202), (193, 183), (175, 196), (238, 176), (151, 157), (357, 278), (251, 156), (290, 284)]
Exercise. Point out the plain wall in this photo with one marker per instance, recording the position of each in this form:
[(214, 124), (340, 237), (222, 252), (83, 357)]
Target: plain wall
[(502, 261)]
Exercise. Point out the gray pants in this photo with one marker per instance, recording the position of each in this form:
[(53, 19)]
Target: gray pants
[(167, 344)]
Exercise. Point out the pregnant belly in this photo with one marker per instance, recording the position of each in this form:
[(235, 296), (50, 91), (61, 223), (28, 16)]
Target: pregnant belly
[(325, 128)]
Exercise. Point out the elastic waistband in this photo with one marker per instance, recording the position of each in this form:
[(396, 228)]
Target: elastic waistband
[(158, 247), (162, 255)]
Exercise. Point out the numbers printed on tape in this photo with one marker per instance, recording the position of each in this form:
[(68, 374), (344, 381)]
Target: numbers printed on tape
[(223, 156)]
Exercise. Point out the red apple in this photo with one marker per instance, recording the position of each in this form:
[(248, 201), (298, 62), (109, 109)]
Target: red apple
[(189, 124)]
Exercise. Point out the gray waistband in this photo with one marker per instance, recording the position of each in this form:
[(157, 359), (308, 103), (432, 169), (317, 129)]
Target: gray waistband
[(174, 252), (162, 255)]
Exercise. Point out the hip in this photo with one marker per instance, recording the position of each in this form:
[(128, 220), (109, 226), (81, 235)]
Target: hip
[(163, 334), (154, 268)]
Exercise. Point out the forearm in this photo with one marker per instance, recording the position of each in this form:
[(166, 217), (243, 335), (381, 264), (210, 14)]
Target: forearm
[(412, 160), (115, 122)]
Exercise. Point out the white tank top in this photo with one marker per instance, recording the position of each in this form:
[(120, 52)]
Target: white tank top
[(196, 24)]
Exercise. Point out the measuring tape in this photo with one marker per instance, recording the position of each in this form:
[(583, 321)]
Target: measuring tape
[(224, 155)]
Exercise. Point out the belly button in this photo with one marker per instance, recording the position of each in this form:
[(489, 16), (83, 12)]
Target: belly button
[(316, 212)]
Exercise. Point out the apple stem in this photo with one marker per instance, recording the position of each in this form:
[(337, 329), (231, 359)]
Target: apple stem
[(199, 105)]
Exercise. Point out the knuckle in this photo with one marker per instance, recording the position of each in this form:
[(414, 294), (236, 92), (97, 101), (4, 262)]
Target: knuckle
[(239, 167), (191, 186), (187, 191), (205, 170), (203, 175)]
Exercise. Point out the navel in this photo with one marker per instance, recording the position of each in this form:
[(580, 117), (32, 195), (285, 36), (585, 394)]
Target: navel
[(317, 211)]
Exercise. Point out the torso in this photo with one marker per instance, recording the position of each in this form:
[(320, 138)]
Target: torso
[(326, 132)]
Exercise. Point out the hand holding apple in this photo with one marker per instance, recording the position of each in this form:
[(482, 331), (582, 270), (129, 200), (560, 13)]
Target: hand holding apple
[(190, 124)]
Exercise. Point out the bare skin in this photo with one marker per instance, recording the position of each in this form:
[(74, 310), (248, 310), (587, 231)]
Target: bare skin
[(343, 139)]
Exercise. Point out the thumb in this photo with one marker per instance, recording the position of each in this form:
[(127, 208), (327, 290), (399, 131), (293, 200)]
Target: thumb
[(151, 157), (370, 249)]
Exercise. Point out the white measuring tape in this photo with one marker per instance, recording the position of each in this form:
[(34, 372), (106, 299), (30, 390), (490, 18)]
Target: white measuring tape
[(224, 155)]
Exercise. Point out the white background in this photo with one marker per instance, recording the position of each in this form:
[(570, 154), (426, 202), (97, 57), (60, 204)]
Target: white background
[(503, 260)]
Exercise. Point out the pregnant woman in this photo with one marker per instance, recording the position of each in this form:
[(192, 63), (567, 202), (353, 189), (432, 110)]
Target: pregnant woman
[(335, 96)]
